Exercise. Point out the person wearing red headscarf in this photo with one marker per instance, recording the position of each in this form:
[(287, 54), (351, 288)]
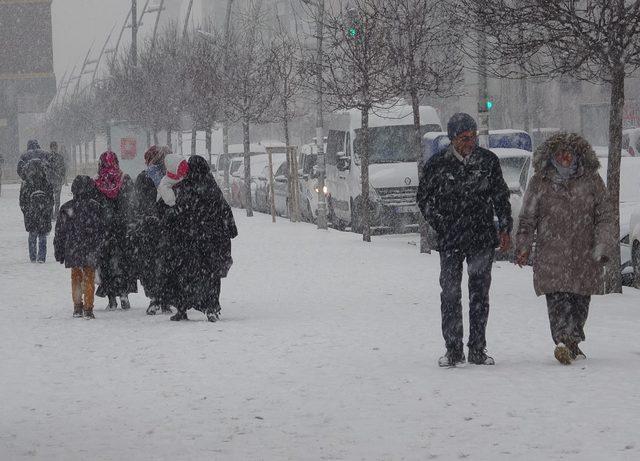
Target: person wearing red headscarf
[(115, 192)]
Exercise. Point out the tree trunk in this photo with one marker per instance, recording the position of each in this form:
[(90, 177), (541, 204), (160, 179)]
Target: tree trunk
[(194, 133), (247, 167), (207, 140), (417, 148), (285, 126), (322, 203), (613, 276), (364, 162), (169, 139)]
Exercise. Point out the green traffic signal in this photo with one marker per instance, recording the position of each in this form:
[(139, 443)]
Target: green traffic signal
[(489, 104)]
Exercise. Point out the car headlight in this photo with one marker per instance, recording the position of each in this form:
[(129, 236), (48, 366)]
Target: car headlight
[(325, 189)]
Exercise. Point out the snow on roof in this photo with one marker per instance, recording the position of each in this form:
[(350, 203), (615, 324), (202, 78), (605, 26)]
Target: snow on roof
[(393, 115)]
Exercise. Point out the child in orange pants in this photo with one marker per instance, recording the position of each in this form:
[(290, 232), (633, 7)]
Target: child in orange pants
[(80, 230), (82, 283)]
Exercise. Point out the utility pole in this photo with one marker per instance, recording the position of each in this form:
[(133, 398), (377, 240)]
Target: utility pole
[(322, 203), (483, 96), (134, 32), (186, 20), (225, 123)]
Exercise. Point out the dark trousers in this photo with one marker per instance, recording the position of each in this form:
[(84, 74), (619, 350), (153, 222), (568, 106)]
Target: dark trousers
[(567, 316), (37, 247), (57, 190), (479, 271)]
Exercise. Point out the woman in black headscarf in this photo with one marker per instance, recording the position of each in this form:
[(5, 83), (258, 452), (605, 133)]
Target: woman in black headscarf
[(206, 227)]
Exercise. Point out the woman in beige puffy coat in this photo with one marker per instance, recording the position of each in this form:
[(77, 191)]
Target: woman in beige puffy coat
[(565, 210)]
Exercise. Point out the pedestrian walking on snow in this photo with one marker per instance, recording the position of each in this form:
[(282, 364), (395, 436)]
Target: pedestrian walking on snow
[(57, 176), (566, 212), (33, 152), (36, 203), (169, 245), (115, 193), (145, 230), (205, 227), (460, 191), (80, 230)]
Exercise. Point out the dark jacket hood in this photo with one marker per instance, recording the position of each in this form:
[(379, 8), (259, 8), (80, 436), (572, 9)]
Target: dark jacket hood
[(32, 144), (198, 168), (572, 142), (83, 186)]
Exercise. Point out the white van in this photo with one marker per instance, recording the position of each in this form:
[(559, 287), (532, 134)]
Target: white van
[(393, 168)]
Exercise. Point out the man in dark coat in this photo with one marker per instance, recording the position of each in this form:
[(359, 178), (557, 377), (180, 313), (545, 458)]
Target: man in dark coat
[(79, 233), (36, 203), (205, 227), (33, 152), (460, 191), (57, 175)]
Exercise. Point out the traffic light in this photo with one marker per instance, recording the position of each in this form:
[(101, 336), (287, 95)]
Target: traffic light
[(354, 25), (485, 105)]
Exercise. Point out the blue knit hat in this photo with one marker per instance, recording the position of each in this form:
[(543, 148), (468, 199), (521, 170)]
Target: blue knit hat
[(459, 123)]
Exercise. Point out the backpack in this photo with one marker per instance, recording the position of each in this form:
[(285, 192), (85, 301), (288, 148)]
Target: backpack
[(38, 203)]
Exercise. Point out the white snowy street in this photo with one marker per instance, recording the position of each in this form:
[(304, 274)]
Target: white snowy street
[(327, 349)]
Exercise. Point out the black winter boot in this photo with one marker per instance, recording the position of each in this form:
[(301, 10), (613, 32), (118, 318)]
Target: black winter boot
[(88, 313), (480, 357), (153, 308), (451, 358), (212, 314), (124, 302), (576, 353), (77, 310), (179, 316), (165, 309), (113, 304)]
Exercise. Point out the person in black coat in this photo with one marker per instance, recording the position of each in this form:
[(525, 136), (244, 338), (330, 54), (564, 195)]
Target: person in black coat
[(460, 191), (80, 229), (57, 174), (204, 227), (115, 193), (33, 152), (36, 203), (144, 240)]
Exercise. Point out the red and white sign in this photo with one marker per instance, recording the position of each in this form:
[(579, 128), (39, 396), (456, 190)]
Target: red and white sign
[(128, 148)]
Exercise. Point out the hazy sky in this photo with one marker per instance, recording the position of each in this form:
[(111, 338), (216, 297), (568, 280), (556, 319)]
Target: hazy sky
[(76, 23)]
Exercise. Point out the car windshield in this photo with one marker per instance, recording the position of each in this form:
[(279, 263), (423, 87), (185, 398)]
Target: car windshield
[(391, 144), (511, 168), (510, 141)]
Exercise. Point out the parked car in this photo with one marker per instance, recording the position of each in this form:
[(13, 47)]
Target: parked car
[(236, 182), (631, 141), (260, 181), (393, 173)]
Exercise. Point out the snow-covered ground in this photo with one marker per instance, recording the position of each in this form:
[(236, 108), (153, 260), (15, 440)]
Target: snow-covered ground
[(327, 349)]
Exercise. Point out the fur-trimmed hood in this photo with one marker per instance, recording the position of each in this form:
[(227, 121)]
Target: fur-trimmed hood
[(572, 142)]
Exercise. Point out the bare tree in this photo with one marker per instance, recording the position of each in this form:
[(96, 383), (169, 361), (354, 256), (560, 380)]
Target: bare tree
[(286, 58), (202, 70), (426, 61), (249, 80), (592, 40), (356, 75)]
